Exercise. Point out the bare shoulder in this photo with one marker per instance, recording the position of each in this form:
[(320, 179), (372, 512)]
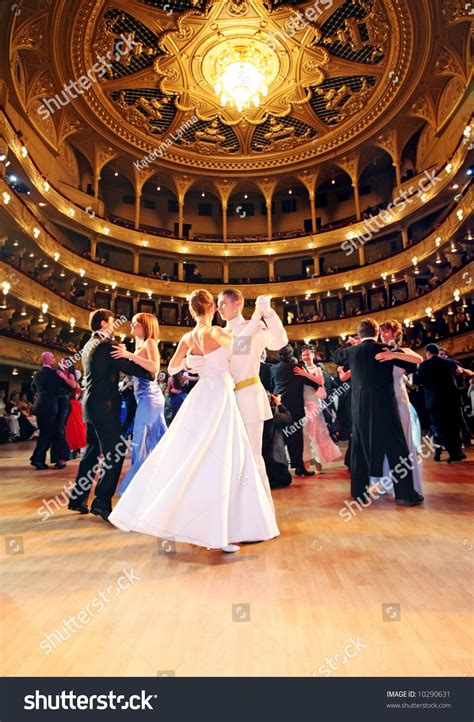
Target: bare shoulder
[(217, 332), (187, 339)]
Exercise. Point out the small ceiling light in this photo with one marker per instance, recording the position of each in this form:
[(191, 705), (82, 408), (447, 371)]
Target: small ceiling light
[(416, 270), (82, 273), (12, 178), (23, 313), (449, 168), (438, 258), (85, 283), (407, 322), (106, 230), (42, 204), (36, 232), (45, 265), (158, 188), (31, 255), (53, 324), (44, 307), (116, 173), (15, 372), (46, 186), (128, 293), (333, 181), (245, 196), (450, 311), (460, 214), (2, 157), (24, 151), (6, 197), (56, 256), (72, 212), (428, 310), (424, 197), (62, 274), (226, 252), (15, 243), (290, 192), (438, 240), (40, 319), (114, 285), (7, 163), (454, 187), (72, 322), (145, 243), (149, 294), (467, 131), (184, 249), (203, 195)]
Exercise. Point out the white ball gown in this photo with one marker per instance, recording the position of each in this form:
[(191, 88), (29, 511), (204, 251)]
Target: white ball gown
[(200, 484)]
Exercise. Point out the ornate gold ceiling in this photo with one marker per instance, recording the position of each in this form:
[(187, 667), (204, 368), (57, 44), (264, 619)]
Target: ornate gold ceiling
[(341, 71)]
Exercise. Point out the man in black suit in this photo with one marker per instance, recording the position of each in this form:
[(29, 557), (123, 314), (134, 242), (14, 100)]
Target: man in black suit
[(101, 411), (376, 428), (289, 385), (437, 376), (264, 372), (47, 385)]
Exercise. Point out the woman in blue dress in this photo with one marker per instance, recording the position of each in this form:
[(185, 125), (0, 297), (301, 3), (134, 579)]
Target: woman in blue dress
[(149, 425)]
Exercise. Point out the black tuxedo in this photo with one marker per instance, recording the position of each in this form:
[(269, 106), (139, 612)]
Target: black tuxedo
[(290, 387), (437, 376), (101, 411), (376, 428), (46, 384), (265, 375)]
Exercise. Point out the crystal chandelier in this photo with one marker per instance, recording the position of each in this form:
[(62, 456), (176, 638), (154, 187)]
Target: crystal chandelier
[(242, 75)]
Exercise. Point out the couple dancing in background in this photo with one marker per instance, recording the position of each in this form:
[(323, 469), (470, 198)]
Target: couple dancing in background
[(384, 441), (205, 482)]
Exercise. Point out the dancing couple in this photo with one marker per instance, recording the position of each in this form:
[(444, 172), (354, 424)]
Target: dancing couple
[(205, 481)]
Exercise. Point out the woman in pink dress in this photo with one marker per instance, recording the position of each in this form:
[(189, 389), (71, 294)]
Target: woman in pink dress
[(318, 447)]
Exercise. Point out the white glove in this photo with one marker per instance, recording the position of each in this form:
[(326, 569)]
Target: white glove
[(263, 306)]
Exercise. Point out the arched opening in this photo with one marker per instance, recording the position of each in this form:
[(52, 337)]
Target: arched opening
[(377, 179), (335, 205)]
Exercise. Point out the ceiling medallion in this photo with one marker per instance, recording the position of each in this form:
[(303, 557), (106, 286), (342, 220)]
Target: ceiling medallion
[(218, 68)]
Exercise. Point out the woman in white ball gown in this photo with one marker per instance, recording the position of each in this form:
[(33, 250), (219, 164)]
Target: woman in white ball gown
[(200, 484)]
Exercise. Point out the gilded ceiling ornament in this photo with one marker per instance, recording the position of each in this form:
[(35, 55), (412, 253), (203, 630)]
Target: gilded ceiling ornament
[(455, 10), (203, 71), (209, 140), (447, 64), (30, 34), (142, 111), (281, 136), (422, 108)]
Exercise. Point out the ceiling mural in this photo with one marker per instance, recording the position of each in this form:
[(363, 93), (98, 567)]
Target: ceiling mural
[(228, 85)]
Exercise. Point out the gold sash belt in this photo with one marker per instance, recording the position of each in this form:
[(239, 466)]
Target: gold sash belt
[(247, 382)]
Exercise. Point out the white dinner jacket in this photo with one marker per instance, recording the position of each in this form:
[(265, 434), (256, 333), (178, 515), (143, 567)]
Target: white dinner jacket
[(245, 363)]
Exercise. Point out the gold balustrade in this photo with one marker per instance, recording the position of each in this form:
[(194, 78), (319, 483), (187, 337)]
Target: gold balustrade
[(34, 294)]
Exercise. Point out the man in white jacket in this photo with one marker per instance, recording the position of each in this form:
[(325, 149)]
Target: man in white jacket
[(251, 396)]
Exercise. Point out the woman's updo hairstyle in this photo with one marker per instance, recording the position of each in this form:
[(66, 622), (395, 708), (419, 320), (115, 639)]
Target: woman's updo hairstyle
[(201, 301)]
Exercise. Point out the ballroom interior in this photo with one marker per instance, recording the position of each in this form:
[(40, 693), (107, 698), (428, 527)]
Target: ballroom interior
[(320, 153)]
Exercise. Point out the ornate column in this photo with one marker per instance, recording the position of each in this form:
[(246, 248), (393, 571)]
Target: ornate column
[(267, 187), (398, 173), (225, 272), (93, 251), (309, 180), (355, 186), (224, 219), (269, 219), (317, 268), (224, 189), (362, 255), (350, 163), (405, 238), (136, 262), (103, 154), (182, 184), (271, 269), (138, 195), (180, 217), (180, 270)]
